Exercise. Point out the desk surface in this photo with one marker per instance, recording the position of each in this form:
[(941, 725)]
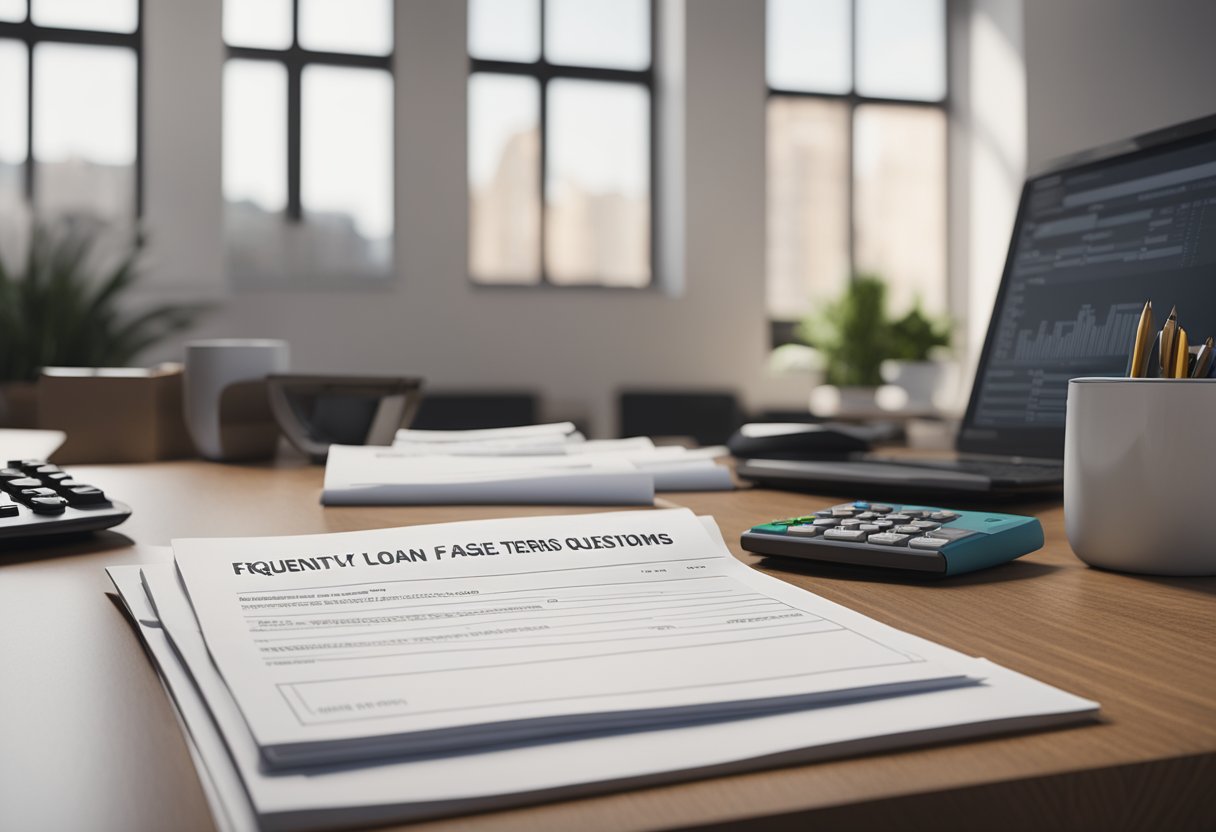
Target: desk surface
[(88, 739)]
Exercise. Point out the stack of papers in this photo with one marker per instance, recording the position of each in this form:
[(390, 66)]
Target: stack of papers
[(397, 674), (546, 464)]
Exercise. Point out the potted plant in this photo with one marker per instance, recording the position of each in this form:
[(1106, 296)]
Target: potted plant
[(917, 345), (60, 306), (850, 335), (862, 348)]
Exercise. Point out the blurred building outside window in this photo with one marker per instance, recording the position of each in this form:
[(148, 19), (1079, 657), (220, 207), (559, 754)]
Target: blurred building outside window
[(560, 143), (70, 111), (856, 152), (308, 140)]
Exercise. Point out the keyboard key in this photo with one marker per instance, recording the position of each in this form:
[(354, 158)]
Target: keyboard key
[(48, 505), (908, 528), (888, 539), (805, 530), (851, 535), (928, 542), (87, 495)]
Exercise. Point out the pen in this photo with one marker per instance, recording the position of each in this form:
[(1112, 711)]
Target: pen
[(1169, 334), (1143, 343), (1203, 361), (1182, 355)]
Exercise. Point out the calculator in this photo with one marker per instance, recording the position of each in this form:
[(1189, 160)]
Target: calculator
[(899, 538), (39, 499)]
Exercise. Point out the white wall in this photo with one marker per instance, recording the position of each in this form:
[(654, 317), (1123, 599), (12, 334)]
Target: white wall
[(574, 347), (1102, 70)]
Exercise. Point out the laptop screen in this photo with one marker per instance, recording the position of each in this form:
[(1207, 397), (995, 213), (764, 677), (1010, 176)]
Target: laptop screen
[(1093, 240)]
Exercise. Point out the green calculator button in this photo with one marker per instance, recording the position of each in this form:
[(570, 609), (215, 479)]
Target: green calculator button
[(773, 528)]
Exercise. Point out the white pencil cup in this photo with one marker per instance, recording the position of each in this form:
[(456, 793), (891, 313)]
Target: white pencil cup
[(1140, 474), (227, 407)]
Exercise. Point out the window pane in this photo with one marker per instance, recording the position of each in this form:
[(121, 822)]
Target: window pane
[(84, 129), (597, 184), (504, 179), (808, 45), (265, 24), (346, 181), (604, 33), (102, 15), (808, 213), (901, 49), (505, 30), (364, 27), (12, 10), (255, 134), (13, 105), (900, 202)]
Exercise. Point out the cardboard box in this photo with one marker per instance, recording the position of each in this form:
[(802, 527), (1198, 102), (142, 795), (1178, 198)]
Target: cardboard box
[(115, 414)]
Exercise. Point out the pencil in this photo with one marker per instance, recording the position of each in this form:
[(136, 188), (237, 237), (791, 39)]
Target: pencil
[(1203, 361), (1169, 334), (1143, 343), (1182, 356)]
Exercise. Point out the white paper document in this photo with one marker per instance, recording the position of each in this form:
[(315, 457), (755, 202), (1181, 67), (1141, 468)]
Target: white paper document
[(248, 796), (442, 638), (367, 475)]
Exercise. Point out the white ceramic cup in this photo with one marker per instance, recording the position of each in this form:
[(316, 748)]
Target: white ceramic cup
[(1140, 474), (212, 366)]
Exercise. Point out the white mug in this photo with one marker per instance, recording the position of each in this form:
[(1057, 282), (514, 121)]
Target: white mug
[(223, 364), (1140, 474)]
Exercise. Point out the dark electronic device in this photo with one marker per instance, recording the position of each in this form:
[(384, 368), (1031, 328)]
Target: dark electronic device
[(1097, 234), (318, 411), (798, 440), (38, 499)]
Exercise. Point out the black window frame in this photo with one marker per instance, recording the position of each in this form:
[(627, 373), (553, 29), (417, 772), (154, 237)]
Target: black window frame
[(544, 71), (294, 59), (31, 34), (785, 331)]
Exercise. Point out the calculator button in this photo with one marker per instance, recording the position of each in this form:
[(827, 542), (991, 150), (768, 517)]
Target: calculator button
[(844, 512), (888, 539), (943, 516), (880, 508), (27, 494), (804, 530), (853, 535), (85, 495), (928, 542), (8, 509), (867, 515), (26, 464), (900, 517), (861, 504), (16, 486), (48, 505), (7, 474), (826, 521), (927, 525), (827, 512), (850, 524), (908, 528), (870, 527), (884, 523)]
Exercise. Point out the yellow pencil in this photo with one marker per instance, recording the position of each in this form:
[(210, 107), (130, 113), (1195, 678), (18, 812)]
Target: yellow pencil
[(1169, 334), (1143, 344), (1182, 356)]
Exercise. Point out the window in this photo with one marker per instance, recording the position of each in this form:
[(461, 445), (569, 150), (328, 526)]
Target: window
[(69, 95), (856, 151), (560, 142), (308, 139)]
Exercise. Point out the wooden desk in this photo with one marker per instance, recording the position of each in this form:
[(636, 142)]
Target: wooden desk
[(88, 739)]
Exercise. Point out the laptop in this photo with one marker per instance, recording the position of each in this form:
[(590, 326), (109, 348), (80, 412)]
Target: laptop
[(1096, 235)]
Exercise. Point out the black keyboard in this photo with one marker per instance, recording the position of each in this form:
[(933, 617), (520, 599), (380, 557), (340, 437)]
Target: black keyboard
[(37, 498)]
